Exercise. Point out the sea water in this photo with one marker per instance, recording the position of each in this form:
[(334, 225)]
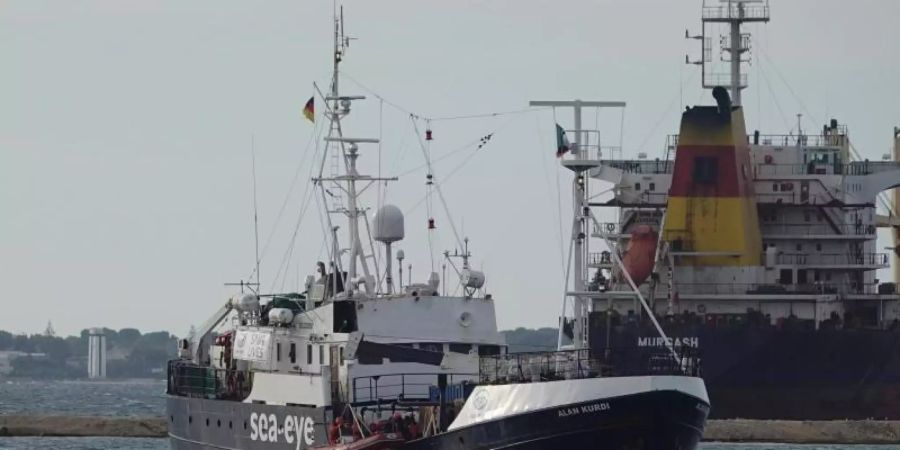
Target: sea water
[(147, 398)]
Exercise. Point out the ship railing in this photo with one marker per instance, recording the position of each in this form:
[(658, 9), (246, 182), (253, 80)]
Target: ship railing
[(800, 140), (187, 379), (856, 168), (597, 258), (408, 388), (818, 287), (578, 364), (833, 259), (735, 11), (723, 79), (642, 166), (806, 229), (776, 289), (776, 140), (641, 198)]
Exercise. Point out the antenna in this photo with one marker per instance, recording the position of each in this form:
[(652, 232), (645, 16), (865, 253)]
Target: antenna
[(255, 215), (734, 13)]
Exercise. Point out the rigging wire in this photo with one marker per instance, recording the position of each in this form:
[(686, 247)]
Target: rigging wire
[(419, 116), (665, 113), (559, 210), (314, 136), (543, 159), (255, 208), (437, 186)]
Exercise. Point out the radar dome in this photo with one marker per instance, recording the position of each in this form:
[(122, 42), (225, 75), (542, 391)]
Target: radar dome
[(388, 225)]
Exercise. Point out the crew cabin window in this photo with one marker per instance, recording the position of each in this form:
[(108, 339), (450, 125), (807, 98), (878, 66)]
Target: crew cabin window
[(460, 348), (344, 316), (278, 351), (309, 354), (432, 347), (706, 169), (488, 350), (321, 354), (293, 353)]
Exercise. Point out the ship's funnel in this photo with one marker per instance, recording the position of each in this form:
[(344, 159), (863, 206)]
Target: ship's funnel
[(711, 215)]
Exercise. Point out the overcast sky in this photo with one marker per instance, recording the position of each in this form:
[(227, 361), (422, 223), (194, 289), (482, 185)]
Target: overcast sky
[(125, 131)]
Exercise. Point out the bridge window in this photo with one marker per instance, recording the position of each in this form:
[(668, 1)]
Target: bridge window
[(293, 353), (488, 350), (309, 354), (278, 351), (321, 354), (786, 276)]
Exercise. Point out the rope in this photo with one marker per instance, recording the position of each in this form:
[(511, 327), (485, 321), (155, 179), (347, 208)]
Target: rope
[(426, 118)]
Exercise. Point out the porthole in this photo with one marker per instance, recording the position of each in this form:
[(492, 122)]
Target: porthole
[(207, 421), (229, 425), (190, 419), (172, 419), (219, 423)]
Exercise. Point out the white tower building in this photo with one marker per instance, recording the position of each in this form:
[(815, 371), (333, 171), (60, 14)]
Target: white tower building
[(96, 353)]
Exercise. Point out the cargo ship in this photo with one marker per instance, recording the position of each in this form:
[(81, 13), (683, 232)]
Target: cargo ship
[(756, 252)]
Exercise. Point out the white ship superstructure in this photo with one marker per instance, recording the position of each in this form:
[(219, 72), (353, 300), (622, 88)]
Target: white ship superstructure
[(815, 201)]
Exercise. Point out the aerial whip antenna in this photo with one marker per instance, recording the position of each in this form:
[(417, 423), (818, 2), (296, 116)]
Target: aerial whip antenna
[(255, 214)]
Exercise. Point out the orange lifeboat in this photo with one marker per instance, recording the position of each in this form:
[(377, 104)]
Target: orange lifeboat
[(640, 254)]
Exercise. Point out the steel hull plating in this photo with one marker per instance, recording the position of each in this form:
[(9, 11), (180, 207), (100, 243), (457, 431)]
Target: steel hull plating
[(656, 420), (771, 373), (196, 423), (651, 420)]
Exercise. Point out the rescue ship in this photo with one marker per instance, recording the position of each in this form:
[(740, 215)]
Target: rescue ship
[(358, 360), (759, 253)]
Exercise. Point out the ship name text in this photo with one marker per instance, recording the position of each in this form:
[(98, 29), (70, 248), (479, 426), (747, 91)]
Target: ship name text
[(575, 410), (659, 341), (267, 428)]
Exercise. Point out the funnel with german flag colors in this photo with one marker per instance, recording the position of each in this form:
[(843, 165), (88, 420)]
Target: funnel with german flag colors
[(711, 217)]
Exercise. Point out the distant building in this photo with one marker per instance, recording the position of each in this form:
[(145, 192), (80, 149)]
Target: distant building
[(96, 353), (8, 356)]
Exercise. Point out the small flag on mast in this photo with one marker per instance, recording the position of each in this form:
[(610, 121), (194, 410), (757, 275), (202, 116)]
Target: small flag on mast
[(562, 142), (309, 111)]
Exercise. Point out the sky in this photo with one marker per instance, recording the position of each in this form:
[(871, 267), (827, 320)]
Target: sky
[(126, 129)]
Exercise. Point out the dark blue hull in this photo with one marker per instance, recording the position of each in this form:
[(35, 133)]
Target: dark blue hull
[(660, 420), (766, 372)]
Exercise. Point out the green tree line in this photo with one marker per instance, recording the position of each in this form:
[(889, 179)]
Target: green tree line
[(66, 357)]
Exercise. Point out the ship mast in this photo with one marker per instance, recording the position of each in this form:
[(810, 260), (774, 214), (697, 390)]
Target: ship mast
[(349, 182), (580, 163), (734, 13)]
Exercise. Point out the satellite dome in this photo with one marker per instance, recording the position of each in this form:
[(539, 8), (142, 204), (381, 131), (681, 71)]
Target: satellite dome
[(388, 226)]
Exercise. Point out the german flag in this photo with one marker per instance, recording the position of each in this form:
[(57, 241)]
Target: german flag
[(309, 111)]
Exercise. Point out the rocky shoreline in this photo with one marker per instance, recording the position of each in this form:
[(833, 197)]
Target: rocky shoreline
[(737, 430)]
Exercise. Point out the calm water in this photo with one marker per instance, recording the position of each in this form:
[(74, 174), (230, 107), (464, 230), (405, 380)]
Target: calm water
[(145, 398)]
